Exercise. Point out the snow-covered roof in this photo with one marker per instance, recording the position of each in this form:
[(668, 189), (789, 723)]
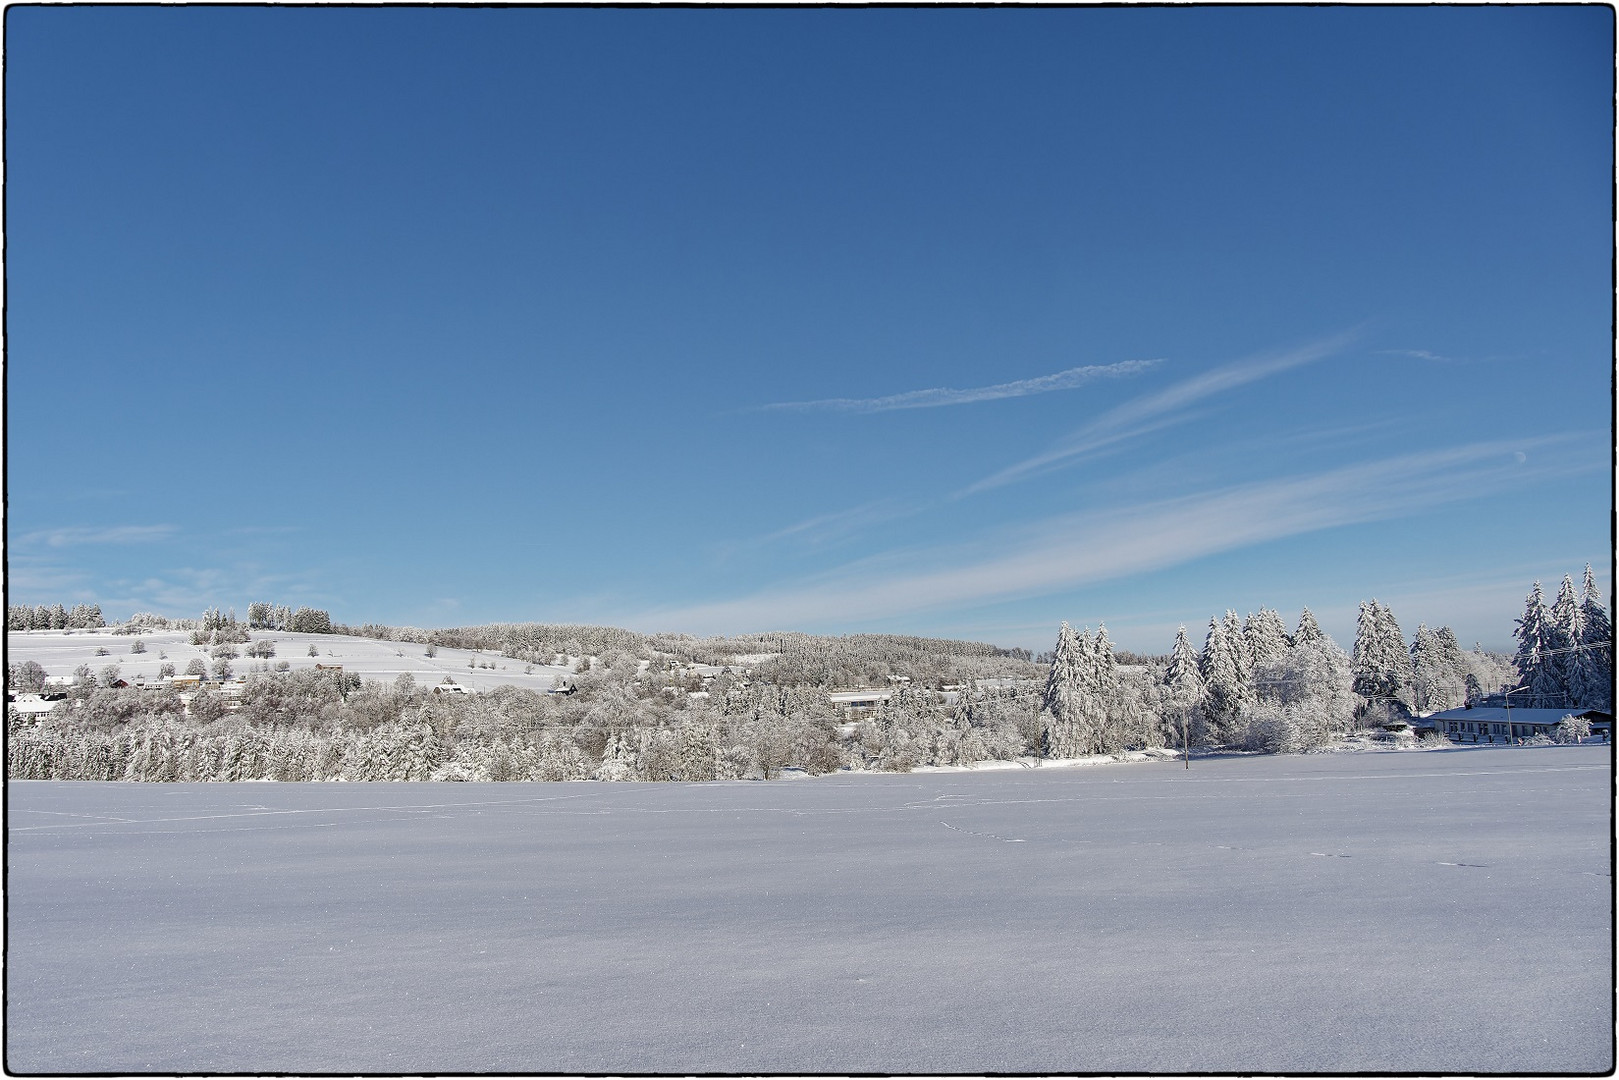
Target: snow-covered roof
[(1493, 715), (852, 697)]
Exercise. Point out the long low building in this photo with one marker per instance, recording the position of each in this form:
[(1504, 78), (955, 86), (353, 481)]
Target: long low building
[(1493, 724), (861, 698)]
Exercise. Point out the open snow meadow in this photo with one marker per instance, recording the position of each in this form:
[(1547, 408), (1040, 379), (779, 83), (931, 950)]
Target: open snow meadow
[(1446, 911)]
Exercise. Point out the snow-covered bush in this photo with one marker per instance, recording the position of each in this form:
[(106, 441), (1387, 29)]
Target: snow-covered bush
[(1572, 729)]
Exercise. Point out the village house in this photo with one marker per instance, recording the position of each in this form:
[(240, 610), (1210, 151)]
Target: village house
[(1486, 724)]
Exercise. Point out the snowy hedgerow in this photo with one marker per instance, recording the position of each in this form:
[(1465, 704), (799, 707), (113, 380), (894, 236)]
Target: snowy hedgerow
[(1273, 728)]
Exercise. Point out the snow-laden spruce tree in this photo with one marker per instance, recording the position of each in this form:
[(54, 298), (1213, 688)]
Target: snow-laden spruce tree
[(1226, 676), (1535, 673), (1180, 695), (1395, 657), (1265, 636), (1593, 676), (1117, 712), (1062, 701), (1564, 635), (698, 746), (1364, 652), (1237, 641), (1381, 665), (1438, 670), (1309, 630), (618, 760)]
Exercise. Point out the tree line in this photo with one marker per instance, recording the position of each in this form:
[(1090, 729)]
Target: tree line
[(1252, 685), (1565, 652), (54, 617)]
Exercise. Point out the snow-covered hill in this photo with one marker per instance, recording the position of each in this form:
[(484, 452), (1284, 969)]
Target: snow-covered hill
[(61, 652)]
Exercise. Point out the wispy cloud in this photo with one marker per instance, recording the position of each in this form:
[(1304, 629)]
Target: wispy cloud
[(941, 396), (1077, 549), (826, 528), (1153, 412), (1420, 354), (822, 530), (112, 534)]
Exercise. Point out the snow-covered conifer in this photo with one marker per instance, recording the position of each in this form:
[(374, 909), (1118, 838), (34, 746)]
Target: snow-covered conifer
[(1534, 671), (1564, 633), (1438, 670), (1225, 675), (1593, 680), (697, 747), (1182, 692), (1061, 699), (1265, 636), (1182, 672), (1237, 643), (1395, 659), (1102, 673), (1382, 667)]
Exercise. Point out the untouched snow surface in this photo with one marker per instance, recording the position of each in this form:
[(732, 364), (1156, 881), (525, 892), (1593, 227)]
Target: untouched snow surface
[(1446, 911)]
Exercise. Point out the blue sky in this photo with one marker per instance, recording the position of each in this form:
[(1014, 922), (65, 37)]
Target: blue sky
[(947, 322)]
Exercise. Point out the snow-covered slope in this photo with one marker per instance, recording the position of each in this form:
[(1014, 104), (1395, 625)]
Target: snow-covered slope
[(59, 653)]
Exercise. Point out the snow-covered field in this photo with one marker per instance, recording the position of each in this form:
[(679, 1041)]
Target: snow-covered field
[(1446, 911), (59, 654)]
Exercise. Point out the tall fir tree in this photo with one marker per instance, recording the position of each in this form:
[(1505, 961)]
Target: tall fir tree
[(1534, 674), (1565, 634), (1363, 656), (1226, 687), (1395, 659), (1182, 692), (1438, 677), (1266, 637), (1182, 672), (1238, 644), (1381, 664), (1595, 687), (1309, 630), (1062, 735), (1107, 726), (1530, 632)]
